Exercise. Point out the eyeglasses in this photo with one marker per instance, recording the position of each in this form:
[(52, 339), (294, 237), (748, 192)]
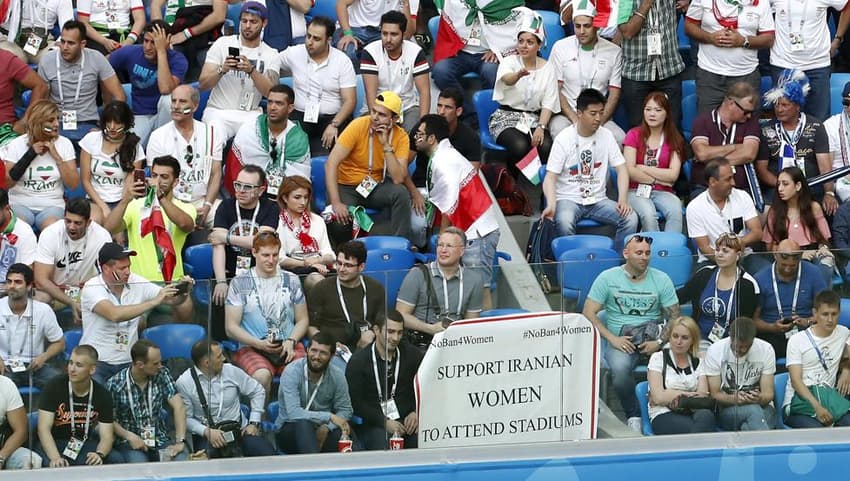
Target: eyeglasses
[(746, 111), (240, 187), (350, 265), (640, 238), (445, 245)]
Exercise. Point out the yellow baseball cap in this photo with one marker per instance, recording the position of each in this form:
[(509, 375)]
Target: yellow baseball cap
[(391, 101)]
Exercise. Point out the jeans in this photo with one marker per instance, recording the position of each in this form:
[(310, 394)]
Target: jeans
[(23, 458), (701, 421), (365, 36), (147, 123), (89, 446), (251, 446), (802, 421), (131, 455), (37, 218), (104, 371), (387, 195), (448, 72), (711, 88), (638, 90), (299, 437), (659, 201), (568, 213), (480, 252), (376, 438), (621, 365), (817, 102), (749, 417)]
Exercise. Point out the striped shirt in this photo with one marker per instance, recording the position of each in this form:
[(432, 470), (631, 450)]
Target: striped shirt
[(396, 74), (638, 65)]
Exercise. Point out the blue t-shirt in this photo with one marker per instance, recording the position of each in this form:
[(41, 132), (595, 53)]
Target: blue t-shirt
[(626, 302), (811, 282), (715, 309), (131, 62)]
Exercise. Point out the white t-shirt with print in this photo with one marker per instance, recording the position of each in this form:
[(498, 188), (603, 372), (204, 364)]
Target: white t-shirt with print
[(679, 381), (10, 398), (73, 261), (802, 353), (23, 339), (111, 14), (582, 164), (814, 32), (599, 69), (207, 148), (107, 178), (41, 185), (739, 373), (232, 86)]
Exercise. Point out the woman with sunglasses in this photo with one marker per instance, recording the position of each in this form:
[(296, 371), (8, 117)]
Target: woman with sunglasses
[(39, 164), (654, 153), (720, 293), (108, 157), (305, 247), (794, 215)]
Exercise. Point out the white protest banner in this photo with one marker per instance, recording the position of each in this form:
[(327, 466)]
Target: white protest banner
[(511, 379)]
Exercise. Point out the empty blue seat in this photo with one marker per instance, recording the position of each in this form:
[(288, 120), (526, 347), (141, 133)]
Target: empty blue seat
[(676, 261), (198, 263), (175, 340), (72, 340), (502, 312), (385, 242), (317, 178), (780, 384), (553, 30), (484, 108), (389, 266), (642, 393), (689, 113), (324, 8), (579, 241), (663, 240)]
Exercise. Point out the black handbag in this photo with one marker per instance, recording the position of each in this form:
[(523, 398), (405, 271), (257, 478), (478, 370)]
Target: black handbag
[(641, 333), (232, 429)]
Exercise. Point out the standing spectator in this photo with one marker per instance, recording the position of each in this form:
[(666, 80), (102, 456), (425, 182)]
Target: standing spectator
[(577, 174), (356, 171), (73, 74), (633, 295), (239, 69), (654, 153), (794, 139), (266, 314), (324, 83), (194, 25), (198, 148), (66, 257), (108, 157), (13, 454), (75, 407), (651, 59), (526, 89), (111, 25), (837, 128), (730, 131), (287, 26), (381, 386), (18, 240), (740, 373), (358, 20), (35, 37), (39, 164), (582, 61), (16, 74), (729, 38), (393, 63), (222, 386), (314, 404), (803, 43), (29, 326), (151, 81), (788, 288)]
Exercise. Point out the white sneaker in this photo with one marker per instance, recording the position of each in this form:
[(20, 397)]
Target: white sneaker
[(636, 425)]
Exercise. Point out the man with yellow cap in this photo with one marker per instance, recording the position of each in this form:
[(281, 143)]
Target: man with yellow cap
[(368, 164)]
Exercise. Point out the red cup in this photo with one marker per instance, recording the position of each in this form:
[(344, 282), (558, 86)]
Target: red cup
[(396, 443), (344, 445)]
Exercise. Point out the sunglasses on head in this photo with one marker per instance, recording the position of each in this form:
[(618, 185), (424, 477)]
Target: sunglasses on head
[(641, 238)]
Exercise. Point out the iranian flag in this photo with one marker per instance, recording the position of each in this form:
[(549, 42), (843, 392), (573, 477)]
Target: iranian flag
[(458, 16), (153, 222), (457, 189), (610, 13), (530, 166)]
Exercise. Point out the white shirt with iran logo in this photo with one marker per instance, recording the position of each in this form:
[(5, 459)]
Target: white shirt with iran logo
[(107, 178), (41, 185)]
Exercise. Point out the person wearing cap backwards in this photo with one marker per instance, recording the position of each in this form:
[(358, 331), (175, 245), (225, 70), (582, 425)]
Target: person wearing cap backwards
[(114, 304), (586, 60), (837, 128), (527, 91), (794, 139), (239, 69), (368, 165)]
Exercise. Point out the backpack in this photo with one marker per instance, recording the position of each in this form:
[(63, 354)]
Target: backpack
[(539, 253), (511, 199)]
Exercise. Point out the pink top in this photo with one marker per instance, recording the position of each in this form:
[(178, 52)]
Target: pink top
[(797, 232), (663, 160)]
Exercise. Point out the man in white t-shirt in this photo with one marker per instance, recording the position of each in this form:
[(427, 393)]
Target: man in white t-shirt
[(240, 69), (198, 147), (740, 371), (721, 209), (66, 256), (12, 411), (17, 240), (393, 63), (114, 305), (814, 359), (577, 174), (29, 334), (729, 37), (838, 129), (582, 61), (358, 20), (325, 85)]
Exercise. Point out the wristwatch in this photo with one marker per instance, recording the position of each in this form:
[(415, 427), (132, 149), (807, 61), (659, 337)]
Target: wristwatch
[(746, 42), (220, 70), (254, 423)]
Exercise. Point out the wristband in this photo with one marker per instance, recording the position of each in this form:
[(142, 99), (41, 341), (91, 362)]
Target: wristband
[(220, 281), (208, 204), (830, 193), (227, 239), (348, 32), (291, 339), (134, 36), (100, 455), (188, 33), (637, 12)]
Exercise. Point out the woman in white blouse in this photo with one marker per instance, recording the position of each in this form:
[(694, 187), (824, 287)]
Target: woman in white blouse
[(527, 91), (305, 248), (678, 375), (39, 164)]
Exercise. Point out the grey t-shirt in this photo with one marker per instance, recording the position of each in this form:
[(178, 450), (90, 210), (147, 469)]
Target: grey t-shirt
[(414, 292), (95, 70)]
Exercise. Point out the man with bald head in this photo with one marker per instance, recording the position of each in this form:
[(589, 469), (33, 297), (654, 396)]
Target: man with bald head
[(788, 288), (198, 148)]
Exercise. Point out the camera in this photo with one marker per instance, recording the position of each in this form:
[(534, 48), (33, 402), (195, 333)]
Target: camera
[(447, 319)]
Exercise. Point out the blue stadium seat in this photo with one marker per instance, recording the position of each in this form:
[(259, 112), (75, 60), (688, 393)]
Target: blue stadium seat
[(766, 84), (484, 107), (317, 178), (663, 240), (389, 266), (197, 262), (684, 42), (324, 8), (553, 30), (175, 340), (128, 92), (838, 80), (26, 392), (642, 393), (676, 261), (689, 113), (385, 242), (233, 15), (844, 313), (502, 312), (271, 415), (285, 81), (835, 105), (78, 191), (580, 241), (689, 87), (25, 103), (780, 383), (72, 339), (579, 268), (361, 96), (205, 97)]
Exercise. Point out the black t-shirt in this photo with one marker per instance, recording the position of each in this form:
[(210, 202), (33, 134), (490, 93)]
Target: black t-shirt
[(225, 218), (465, 140), (326, 312), (813, 140), (54, 399)]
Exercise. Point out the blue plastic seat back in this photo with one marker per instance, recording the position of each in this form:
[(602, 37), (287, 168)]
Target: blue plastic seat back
[(72, 340), (663, 240), (324, 8), (642, 393), (677, 262), (580, 267), (385, 242), (484, 108), (780, 383), (553, 30), (389, 266), (175, 340), (317, 178), (197, 261), (578, 241)]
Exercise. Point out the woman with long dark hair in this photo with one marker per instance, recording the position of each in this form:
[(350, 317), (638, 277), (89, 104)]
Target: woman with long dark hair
[(108, 157), (794, 215), (654, 151)]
